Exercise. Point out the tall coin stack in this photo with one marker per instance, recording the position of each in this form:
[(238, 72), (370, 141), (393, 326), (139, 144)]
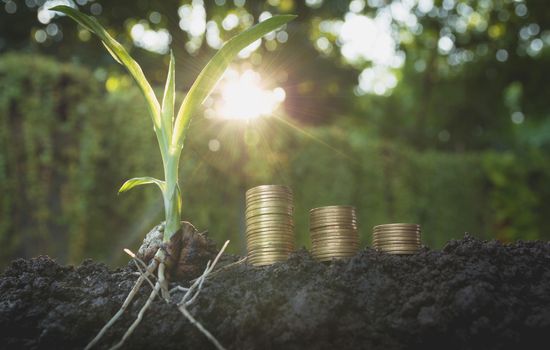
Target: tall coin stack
[(269, 224), (333, 232), (397, 238)]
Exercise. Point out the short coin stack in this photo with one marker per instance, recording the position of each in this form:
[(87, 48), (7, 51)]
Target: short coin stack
[(269, 224), (333, 232), (397, 238)]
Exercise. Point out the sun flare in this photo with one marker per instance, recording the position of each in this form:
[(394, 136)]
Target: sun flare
[(241, 96)]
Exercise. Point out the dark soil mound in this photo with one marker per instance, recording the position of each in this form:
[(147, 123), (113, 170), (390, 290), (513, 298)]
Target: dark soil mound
[(471, 295)]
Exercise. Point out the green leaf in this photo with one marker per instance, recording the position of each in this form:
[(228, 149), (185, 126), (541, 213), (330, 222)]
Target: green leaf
[(209, 76), (120, 55), (138, 181), (168, 100)]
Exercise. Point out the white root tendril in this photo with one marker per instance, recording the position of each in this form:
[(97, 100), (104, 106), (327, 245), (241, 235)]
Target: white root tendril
[(140, 316), (141, 272), (146, 273), (189, 298), (225, 267), (178, 289), (161, 286), (152, 266), (200, 327)]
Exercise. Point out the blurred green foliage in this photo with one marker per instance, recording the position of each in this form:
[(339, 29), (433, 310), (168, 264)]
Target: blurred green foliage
[(62, 139), (66, 145)]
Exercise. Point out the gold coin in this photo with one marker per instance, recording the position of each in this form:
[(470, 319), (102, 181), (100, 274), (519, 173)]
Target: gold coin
[(321, 224), (318, 215), (262, 225), (342, 237), (336, 238), (275, 250), (397, 225), (270, 198), (271, 219), (286, 236), (397, 231), (332, 217), (266, 244), (383, 244), (269, 210), (334, 235), (264, 263), (268, 189), (319, 250), (269, 253), (267, 259), (334, 244), (385, 229), (272, 231), (266, 215), (334, 251), (397, 235), (397, 240), (270, 234), (260, 247), (271, 187), (400, 247), (268, 193), (267, 238), (261, 205), (334, 231), (391, 244), (333, 208)]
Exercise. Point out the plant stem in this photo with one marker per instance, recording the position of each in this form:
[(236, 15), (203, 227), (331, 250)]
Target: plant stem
[(172, 195)]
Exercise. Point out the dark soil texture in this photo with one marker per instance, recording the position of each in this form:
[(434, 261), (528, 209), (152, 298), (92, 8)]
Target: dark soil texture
[(470, 295)]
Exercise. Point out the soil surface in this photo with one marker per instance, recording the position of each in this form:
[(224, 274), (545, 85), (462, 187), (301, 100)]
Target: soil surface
[(470, 295)]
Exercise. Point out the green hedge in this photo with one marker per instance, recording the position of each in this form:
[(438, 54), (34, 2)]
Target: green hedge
[(67, 145)]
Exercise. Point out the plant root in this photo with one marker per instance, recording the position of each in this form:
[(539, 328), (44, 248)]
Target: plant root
[(166, 258), (146, 274), (152, 266), (200, 327), (139, 317), (189, 298)]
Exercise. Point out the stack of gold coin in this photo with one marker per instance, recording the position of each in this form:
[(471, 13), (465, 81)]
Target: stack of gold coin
[(397, 238), (333, 232), (269, 224)]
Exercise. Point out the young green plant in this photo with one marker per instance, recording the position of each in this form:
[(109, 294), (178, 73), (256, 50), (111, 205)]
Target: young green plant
[(170, 127)]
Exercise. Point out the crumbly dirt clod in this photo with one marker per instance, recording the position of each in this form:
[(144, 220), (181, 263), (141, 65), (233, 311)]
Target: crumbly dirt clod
[(186, 254), (470, 295)]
